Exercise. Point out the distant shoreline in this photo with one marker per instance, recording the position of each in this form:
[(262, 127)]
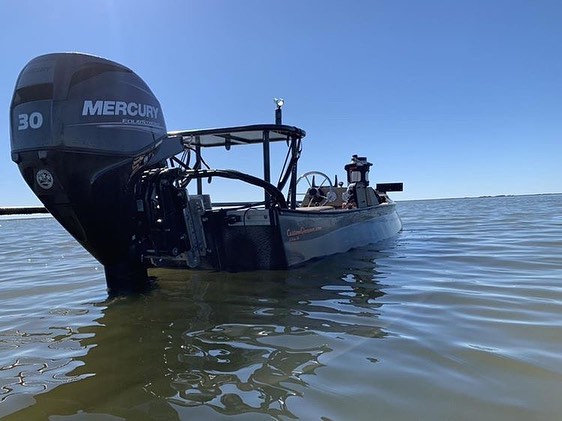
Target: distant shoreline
[(30, 210), (27, 210)]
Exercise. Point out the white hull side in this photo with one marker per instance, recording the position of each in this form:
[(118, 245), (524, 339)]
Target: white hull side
[(308, 235)]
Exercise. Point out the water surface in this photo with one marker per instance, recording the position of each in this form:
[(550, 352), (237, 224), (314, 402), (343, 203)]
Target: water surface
[(456, 318)]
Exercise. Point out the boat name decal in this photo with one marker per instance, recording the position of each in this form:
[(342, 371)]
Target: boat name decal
[(132, 109), (294, 235)]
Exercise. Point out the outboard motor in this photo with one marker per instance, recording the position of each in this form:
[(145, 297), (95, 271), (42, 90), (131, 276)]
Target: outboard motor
[(358, 178), (358, 170), (81, 129)]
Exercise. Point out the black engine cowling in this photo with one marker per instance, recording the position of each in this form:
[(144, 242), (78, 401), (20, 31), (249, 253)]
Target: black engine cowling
[(81, 129)]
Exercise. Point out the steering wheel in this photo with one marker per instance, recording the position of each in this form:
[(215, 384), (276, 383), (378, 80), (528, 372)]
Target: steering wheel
[(319, 193)]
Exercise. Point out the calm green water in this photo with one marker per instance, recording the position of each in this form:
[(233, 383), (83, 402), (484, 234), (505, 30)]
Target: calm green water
[(458, 318)]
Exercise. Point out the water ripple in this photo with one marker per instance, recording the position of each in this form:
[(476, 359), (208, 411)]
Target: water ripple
[(456, 318)]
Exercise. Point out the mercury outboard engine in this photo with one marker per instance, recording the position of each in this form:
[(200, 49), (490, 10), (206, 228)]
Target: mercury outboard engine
[(81, 129)]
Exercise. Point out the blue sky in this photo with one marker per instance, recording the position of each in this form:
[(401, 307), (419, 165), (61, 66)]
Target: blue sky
[(454, 98)]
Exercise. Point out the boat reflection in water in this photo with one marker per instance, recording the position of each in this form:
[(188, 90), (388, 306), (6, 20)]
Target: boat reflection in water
[(226, 343)]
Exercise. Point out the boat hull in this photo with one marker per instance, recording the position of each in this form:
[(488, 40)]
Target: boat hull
[(309, 235), (282, 238)]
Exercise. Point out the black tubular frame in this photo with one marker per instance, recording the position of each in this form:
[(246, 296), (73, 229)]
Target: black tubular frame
[(274, 195), (197, 140)]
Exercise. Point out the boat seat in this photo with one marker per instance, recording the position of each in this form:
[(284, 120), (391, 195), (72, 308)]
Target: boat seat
[(315, 208)]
